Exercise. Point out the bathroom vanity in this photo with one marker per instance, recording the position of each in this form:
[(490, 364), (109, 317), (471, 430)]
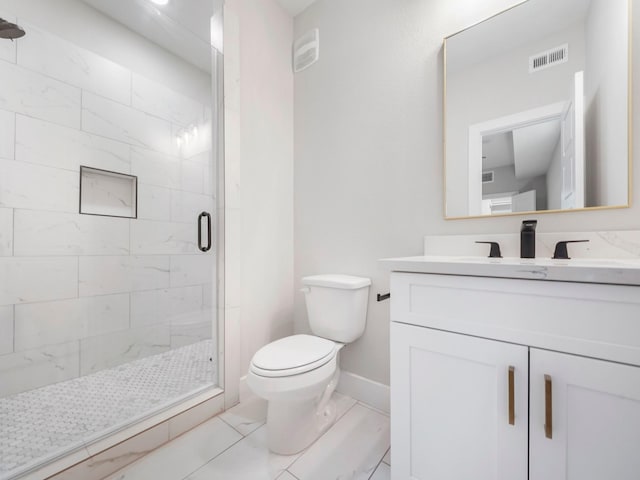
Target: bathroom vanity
[(515, 369)]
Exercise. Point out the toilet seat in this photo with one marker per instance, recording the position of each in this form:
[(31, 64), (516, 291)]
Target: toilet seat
[(293, 355)]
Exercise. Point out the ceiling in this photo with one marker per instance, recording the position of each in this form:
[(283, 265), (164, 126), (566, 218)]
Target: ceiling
[(533, 148), (529, 149), (294, 7), (181, 27)]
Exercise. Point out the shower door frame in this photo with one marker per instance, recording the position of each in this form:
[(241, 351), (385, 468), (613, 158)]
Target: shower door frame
[(213, 398)]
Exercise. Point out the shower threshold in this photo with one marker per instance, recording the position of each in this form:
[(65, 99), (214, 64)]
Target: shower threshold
[(42, 425)]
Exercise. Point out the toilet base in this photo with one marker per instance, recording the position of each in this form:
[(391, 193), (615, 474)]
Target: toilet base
[(294, 425)]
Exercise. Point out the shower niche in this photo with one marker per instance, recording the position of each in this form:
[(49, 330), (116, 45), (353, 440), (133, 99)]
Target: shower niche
[(106, 193)]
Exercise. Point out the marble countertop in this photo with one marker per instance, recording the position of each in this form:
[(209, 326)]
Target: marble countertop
[(587, 270)]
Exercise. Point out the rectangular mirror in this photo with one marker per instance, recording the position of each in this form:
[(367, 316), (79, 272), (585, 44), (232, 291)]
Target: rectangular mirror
[(537, 110)]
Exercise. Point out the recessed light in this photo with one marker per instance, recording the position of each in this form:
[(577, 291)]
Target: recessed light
[(160, 2)]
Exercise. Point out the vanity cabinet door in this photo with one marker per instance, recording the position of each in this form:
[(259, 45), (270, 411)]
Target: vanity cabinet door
[(450, 406), (593, 408)]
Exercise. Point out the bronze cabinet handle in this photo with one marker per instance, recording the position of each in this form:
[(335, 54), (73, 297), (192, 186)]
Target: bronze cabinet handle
[(548, 407), (512, 408)]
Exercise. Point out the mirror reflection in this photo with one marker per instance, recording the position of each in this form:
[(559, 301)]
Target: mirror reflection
[(537, 108)]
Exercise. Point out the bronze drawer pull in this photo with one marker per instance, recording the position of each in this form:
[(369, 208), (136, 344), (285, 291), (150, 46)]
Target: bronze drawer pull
[(512, 408), (548, 408)]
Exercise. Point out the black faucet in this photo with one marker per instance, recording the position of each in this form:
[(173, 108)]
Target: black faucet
[(561, 253), (494, 251), (528, 239)]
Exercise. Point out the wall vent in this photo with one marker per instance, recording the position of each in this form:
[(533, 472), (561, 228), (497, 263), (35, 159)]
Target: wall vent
[(549, 58), (306, 50), (487, 177)]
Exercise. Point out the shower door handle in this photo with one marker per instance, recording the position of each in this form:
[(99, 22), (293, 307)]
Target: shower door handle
[(207, 247)]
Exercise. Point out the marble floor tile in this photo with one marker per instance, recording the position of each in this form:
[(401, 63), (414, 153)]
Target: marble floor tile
[(247, 459), (247, 416), (286, 476), (383, 472), (119, 456), (351, 449), (343, 404), (38, 424), (184, 455), (251, 414), (195, 416)]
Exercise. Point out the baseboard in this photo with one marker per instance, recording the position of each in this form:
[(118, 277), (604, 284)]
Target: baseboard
[(364, 390)]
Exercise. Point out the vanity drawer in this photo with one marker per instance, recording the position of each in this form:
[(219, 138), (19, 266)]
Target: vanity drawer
[(594, 320)]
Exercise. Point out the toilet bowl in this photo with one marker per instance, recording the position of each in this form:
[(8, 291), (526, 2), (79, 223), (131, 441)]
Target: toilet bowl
[(299, 392), (298, 374)]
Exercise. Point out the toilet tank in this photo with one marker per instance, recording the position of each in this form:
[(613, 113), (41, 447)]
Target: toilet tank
[(337, 305)]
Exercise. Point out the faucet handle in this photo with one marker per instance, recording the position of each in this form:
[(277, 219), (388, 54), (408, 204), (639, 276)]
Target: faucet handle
[(494, 252), (561, 252)]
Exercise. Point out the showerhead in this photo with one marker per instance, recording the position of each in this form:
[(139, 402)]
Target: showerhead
[(10, 30)]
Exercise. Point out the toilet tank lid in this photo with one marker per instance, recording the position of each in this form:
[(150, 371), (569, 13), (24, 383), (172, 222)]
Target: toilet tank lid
[(347, 282)]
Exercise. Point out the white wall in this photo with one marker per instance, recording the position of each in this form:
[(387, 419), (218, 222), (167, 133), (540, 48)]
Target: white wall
[(259, 173), (368, 150), (504, 180), (605, 93), (554, 179)]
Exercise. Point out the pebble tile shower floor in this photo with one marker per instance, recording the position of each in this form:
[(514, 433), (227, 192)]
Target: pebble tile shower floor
[(43, 423)]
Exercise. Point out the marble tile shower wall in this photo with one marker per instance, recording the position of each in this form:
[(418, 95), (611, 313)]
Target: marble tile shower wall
[(80, 293)]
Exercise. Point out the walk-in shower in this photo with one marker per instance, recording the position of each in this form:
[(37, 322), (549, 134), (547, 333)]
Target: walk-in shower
[(108, 127)]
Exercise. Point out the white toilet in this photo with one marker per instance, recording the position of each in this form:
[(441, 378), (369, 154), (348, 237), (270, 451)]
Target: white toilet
[(298, 374)]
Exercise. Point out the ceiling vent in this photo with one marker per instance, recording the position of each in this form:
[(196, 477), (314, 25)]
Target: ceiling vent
[(549, 58), (306, 50), (487, 177)]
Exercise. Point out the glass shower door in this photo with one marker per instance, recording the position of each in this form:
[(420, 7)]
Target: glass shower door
[(107, 199)]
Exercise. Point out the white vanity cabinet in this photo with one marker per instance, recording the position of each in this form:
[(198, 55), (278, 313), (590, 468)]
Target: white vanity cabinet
[(596, 418), (449, 406), (479, 366)]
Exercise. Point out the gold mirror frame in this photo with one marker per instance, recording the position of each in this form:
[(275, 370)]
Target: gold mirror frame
[(536, 212)]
